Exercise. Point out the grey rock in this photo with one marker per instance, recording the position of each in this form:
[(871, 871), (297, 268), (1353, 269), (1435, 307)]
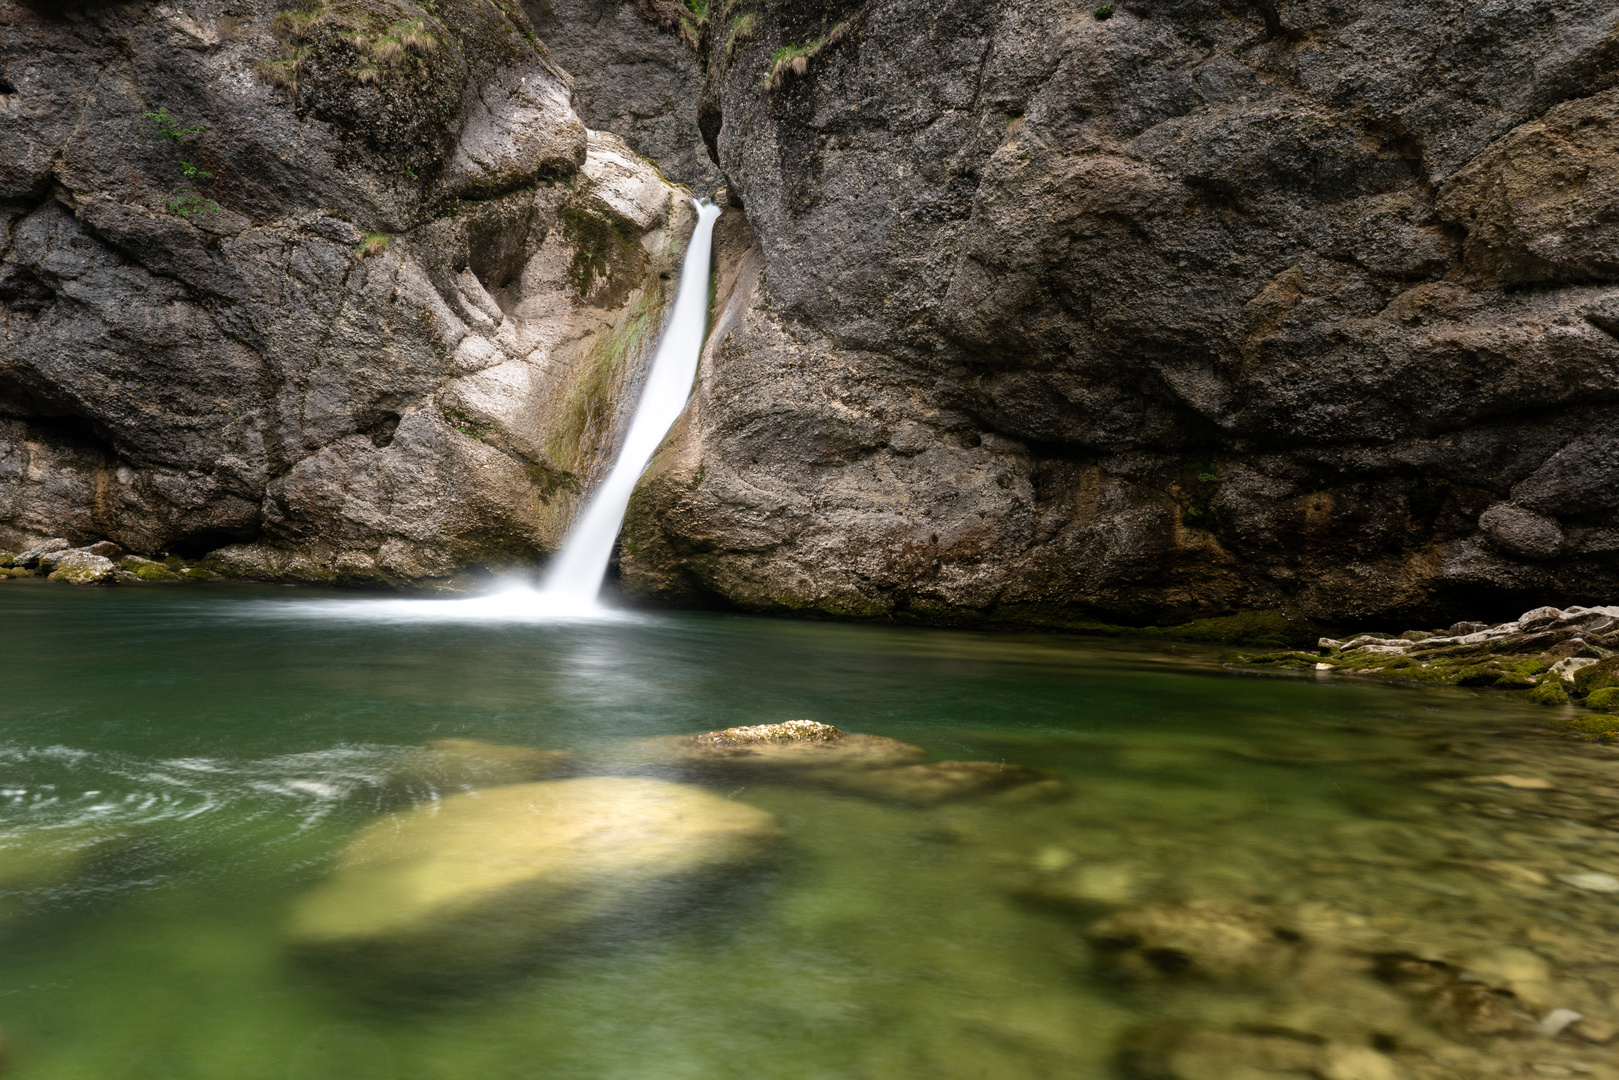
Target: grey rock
[(299, 375), (520, 128), (633, 76), (1024, 276), (1521, 532), (80, 567), (30, 557)]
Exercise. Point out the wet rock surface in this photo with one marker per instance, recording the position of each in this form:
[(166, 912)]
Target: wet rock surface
[(481, 881)]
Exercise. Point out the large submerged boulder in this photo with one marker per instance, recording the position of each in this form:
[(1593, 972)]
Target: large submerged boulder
[(480, 881), (809, 752)]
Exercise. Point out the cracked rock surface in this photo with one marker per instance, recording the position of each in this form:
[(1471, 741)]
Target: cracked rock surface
[(384, 327), (1197, 308)]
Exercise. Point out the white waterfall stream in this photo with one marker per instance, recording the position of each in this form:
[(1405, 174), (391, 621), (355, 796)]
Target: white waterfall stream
[(574, 579)]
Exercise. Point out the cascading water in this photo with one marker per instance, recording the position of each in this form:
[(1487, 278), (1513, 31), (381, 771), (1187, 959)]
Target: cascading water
[(575, 577)]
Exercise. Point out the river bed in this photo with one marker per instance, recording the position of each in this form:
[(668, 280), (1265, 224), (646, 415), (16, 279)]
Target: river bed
[(1301, 875)]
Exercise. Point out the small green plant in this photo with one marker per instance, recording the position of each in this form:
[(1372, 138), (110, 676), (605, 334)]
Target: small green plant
[(1103, 11), (184, 200), (1197, 485), (160, 125), (374, 244)]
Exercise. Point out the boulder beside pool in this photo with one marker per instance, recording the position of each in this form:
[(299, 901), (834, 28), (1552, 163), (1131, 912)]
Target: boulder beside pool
[(485, 880)]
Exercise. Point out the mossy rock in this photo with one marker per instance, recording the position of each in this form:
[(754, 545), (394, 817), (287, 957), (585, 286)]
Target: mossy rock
[(1603, 699), (146, 569), (1597, 676), (1549, 692), (796, 747), (1477, 675), (1272, 628), (1599, 727), (1514, 681)]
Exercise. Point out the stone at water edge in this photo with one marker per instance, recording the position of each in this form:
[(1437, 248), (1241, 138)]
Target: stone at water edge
[(30, 558), (480, 881), (83, 568), (453, 764)]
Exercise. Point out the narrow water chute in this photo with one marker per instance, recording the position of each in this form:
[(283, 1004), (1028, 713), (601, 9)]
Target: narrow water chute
[(575, 576)]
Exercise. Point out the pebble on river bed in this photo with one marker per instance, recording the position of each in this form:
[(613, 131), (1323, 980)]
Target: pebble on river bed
[(1599, 883)]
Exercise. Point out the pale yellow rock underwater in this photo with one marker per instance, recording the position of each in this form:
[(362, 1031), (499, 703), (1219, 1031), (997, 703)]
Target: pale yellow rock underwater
[(486, 879)]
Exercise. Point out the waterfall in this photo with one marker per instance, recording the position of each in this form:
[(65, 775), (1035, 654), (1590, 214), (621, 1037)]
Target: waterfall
[(575, 576)]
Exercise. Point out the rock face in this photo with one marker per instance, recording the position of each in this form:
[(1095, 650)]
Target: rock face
[(635, 74), (245, 299), (1023, 314), (479, 881), (1195, 308)]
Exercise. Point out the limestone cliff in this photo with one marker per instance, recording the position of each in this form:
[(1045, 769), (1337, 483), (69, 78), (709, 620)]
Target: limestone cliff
[(1183, 309), (346, 290), (1026, 311)]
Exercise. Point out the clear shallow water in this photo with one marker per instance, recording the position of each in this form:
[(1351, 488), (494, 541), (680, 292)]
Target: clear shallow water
[(178, 765)]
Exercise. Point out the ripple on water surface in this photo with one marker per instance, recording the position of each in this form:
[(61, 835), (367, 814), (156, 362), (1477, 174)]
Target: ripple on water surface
[(1305, 877)]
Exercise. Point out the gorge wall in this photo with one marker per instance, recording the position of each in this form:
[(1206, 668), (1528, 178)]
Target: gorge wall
[(1022, 314), (345, 291)]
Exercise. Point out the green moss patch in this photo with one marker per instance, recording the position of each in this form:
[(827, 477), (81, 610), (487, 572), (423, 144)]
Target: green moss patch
[(1594, 728), (1549, 692)]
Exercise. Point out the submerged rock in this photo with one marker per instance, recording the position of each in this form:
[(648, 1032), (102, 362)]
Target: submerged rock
[(1171, 1052), (797, 746), (1226, 943), (479, 881), (941, 781), (455, 764), (805, 751)]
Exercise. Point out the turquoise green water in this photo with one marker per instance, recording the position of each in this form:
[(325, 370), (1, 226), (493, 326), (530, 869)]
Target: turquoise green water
[(177, 765)]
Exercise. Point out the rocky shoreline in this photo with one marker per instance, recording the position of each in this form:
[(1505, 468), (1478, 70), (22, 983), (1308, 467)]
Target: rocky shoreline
[(1553, 656)]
